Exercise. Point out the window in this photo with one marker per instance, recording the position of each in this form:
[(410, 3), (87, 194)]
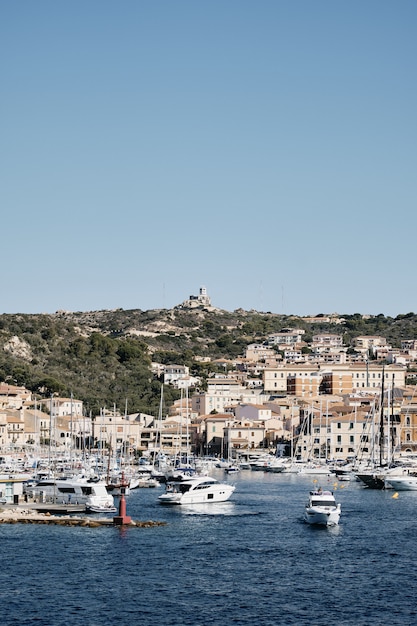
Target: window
[(339, 425), (339, 438), (352, 439)]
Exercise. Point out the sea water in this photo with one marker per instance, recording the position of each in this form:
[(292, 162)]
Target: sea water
[(251, 561)]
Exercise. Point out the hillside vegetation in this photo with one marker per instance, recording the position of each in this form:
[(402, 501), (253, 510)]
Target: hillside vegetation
[(104, 357)]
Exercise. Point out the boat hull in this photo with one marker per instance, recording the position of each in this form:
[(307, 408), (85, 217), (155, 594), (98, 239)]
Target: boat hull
[(322, 516), (196, 491), (196, 498), (402, 484)]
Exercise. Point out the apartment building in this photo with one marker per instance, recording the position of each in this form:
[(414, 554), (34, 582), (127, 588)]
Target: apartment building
[(306, 386), (333, 379), (275, 379), (64, 406), (175, 373), (328, 340), (286, 337), (369, 342), (222, 394)]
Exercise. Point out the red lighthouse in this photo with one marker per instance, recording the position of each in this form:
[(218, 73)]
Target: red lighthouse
[(122, 518)]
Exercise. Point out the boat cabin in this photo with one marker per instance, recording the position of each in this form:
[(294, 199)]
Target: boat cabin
[(322, 498)]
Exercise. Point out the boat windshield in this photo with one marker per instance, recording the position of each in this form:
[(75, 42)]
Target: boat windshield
[(323, 502)]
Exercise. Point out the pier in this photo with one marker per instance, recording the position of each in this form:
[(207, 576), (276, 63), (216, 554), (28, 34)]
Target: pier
[(58, 515)]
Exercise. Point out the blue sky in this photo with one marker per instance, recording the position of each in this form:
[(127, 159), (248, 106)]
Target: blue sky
[(266, 150)]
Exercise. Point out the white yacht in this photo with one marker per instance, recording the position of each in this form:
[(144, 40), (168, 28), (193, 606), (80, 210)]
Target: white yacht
[(322, 509), (196, 490), (93, 494), (401, 483)]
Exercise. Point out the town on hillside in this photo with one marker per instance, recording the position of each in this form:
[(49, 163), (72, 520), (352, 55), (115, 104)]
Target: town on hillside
[(316, 400)]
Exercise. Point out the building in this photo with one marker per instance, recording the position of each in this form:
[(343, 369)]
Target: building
[(222, 393), (193, 302), (13, 397), (369, 342), (174, 373), (332, 379), (286, 337)]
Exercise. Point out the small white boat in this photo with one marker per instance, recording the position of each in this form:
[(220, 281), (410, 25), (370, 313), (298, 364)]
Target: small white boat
[(315, 469), (196, 490), (322, 509), (95, 508)]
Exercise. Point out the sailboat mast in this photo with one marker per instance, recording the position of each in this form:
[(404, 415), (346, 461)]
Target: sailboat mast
[(381, 421)]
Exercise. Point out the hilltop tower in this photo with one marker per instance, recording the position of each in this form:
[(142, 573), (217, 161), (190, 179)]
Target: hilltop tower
[(202, 300)]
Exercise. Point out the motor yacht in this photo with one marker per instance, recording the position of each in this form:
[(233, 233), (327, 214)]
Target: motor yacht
[(90, 493), (401, 483), (322, 509), (196, 490)]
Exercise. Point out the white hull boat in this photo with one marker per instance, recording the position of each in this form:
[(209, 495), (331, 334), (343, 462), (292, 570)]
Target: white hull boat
[(196, 490), (321, 509), (94, 508), (401, 483), (73, 491)]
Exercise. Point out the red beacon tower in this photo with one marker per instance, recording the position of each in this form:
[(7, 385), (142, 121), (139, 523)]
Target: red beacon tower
[(122, 518)]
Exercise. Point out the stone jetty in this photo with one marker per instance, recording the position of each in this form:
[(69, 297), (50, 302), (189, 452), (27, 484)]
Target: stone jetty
[(20, 515)]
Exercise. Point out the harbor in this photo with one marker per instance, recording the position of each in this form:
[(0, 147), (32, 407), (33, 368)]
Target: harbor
[(249, 559)]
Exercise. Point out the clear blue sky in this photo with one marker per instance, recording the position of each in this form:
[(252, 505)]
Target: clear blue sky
[(264, 149)]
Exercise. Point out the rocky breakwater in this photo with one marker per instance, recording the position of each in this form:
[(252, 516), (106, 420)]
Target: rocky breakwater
[(30, 516)]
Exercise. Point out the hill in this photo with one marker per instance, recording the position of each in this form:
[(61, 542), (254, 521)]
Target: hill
[(104, 357)]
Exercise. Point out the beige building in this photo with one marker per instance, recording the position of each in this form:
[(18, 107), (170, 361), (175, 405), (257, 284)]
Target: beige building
[(13, 397), (368, 342), (222, 394), (325, 341), (335, 378)]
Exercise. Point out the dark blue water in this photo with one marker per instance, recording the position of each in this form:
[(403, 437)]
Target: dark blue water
[(250, 561)]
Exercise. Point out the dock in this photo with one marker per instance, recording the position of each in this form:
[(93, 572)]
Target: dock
[(62, 515)]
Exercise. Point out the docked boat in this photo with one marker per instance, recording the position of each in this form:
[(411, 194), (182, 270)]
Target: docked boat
[(321, 509), (104, 508), (82, 491), (196, 490), (401, 483)]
